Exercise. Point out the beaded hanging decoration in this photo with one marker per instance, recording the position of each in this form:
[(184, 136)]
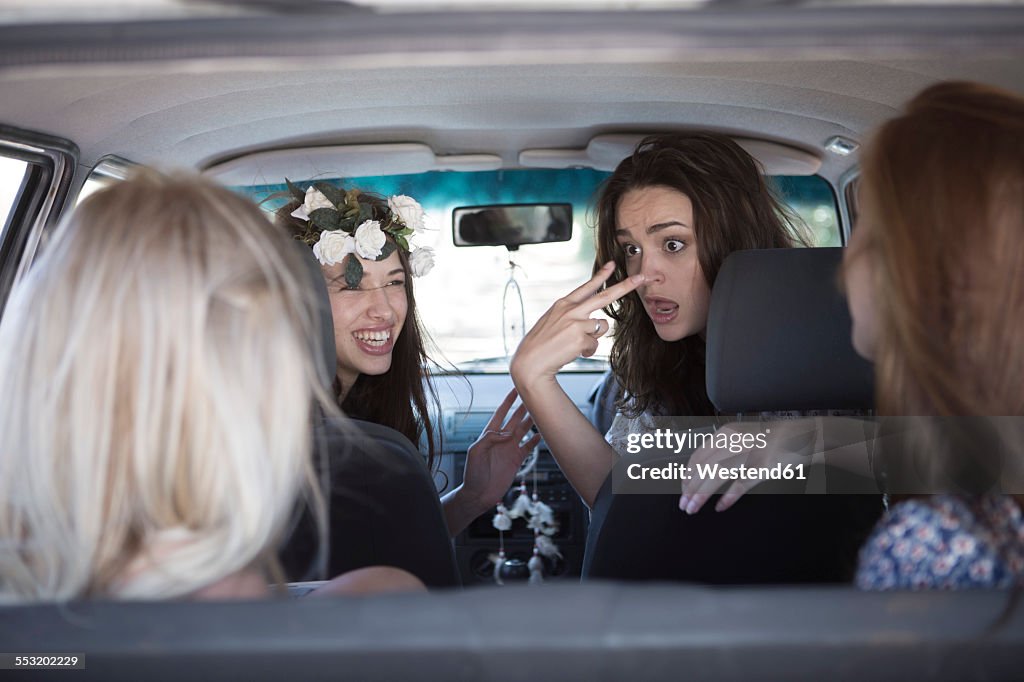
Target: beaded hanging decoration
[(540, 518)]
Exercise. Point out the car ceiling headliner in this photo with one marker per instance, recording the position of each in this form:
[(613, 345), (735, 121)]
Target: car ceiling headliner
[(185, 112)]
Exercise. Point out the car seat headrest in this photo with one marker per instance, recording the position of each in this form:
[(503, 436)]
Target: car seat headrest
[(778, 335), (325, 351)]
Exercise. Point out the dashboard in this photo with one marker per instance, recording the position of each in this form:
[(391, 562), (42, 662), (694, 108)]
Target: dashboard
[(467, 403)]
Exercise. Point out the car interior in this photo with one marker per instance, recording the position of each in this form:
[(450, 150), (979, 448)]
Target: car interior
[(479, 111)]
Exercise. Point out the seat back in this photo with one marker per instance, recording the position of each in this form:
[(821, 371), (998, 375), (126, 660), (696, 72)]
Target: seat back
[(322, 344), (763, 539), (779, 335), (551, 632)]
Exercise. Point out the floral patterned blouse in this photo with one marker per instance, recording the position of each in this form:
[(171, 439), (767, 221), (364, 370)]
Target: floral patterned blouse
[(945, 542)]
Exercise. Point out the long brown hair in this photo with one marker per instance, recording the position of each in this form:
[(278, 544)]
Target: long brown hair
[(733, 209), (942, 190), (398, 398)]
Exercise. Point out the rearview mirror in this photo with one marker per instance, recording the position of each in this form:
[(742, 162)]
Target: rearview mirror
[(511, 225)]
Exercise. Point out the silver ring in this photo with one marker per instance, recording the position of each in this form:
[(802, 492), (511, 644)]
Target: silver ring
[(597, 326)]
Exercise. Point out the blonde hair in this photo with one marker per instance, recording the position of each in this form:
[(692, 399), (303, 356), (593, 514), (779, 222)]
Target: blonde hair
[(159, 380)]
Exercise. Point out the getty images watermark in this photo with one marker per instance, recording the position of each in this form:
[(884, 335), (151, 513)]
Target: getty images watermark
[(727, 442), (850, 454)]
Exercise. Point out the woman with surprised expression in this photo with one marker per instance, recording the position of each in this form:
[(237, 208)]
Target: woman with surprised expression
[(368, 263), (656, 237), (667, 218)]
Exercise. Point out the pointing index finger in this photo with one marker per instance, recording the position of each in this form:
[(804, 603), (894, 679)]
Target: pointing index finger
[(592, 285), (612, 293), (594, 298)]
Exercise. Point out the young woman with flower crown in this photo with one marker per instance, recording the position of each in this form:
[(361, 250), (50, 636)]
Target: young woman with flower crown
[(365, 248)]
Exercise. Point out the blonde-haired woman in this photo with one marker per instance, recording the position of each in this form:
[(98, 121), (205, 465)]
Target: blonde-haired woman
[(156, 369)]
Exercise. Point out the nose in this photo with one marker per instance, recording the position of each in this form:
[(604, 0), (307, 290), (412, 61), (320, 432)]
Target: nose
[(651, 266), (380, 307)]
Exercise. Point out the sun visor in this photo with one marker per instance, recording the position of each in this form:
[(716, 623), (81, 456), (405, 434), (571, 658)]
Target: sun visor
[(269, 167), (604, 152)]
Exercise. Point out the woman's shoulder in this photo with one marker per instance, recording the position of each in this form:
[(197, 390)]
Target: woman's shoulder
[(624, 425), (947, 542)]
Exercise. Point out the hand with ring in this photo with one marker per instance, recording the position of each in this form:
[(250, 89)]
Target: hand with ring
[(567, 330)]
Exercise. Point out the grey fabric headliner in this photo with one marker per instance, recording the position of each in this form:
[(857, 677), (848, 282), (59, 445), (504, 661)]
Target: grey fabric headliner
[(220, 110)]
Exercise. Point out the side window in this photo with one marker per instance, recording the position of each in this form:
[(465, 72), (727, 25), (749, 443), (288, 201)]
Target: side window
[(811, 198), (12, 178), (35, 174)]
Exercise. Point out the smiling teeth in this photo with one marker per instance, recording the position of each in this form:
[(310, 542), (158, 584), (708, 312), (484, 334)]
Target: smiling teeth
[(665, 311), (373, 338)]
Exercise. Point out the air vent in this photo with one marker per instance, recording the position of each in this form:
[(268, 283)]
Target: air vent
[(462, 428)]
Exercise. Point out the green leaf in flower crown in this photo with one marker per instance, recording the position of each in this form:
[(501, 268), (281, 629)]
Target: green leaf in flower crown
[(405, 232), (403, 243), (388, 249), (325, 218), (348, 224), (353, 272), (333, 194), (296, 193), (352, 198)]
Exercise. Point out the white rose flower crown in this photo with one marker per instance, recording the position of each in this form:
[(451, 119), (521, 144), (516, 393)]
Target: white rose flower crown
[(341, 222)]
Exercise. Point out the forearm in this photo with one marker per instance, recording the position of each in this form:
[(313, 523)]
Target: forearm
[(565, 331), (846, 444), (580, 450), (460, 510), (370, 580)]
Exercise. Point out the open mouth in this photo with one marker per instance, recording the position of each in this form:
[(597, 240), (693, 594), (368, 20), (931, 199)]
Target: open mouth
[(374, 342), (661, 310)]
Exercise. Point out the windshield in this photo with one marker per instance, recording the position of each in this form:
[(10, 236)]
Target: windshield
[(461, 302)]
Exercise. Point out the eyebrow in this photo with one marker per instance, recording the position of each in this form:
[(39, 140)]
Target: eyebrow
[(341, 277), (656, 227)]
